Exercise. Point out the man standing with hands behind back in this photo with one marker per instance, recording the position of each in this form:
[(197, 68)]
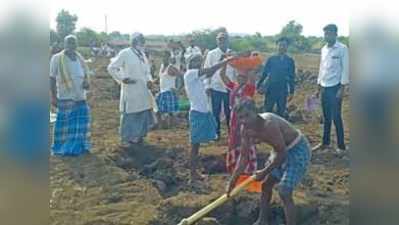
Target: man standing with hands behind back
[(332, 81)]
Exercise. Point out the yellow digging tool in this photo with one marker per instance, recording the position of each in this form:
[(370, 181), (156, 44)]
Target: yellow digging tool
[(221, 200)]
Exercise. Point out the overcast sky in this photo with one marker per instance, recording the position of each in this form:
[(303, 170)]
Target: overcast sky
[(184, 16)]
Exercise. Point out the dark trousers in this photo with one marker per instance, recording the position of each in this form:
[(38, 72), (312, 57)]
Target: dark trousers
[(273, 98), (331, 106), (219, 98)]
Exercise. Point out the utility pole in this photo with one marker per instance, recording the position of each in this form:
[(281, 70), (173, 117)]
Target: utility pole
[(106, 24)]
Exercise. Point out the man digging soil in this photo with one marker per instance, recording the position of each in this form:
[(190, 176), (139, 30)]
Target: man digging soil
[(287, 163)]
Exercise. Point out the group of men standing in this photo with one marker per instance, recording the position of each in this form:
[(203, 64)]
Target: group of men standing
[(69, 82), (208, 82)]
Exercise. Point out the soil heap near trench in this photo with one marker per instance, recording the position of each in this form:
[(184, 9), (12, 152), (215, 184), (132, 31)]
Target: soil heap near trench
[(148, 185)]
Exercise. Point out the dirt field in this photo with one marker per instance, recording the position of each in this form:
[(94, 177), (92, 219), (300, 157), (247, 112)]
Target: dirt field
[(148, 185)]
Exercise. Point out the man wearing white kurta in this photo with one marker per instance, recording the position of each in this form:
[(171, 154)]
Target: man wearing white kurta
[(130, 69), (218, 91)]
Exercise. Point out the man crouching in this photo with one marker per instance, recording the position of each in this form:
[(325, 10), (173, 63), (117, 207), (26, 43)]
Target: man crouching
[(286, 165)]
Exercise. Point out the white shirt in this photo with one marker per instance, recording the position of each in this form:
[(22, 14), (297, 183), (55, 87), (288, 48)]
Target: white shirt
[(167, 82), (334, 65), (196, 92), (191, 51), (76, 92), (215, 82), (134, 97)]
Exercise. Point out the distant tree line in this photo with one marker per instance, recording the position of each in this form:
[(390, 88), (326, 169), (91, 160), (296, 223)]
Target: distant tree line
[(206, 39)]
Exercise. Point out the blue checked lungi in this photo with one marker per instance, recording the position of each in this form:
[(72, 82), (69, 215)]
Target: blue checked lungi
[(202, 126), (167, 102), (293, 169), (72, 129)]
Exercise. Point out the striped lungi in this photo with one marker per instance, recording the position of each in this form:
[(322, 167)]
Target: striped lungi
[(72, 128), (134, 126), (293, 169), (167, 102)]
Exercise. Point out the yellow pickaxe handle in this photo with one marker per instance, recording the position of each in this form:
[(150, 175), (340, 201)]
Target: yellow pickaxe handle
[(221, 200)]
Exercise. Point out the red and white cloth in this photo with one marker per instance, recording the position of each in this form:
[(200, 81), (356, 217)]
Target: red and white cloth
[(234, 141)]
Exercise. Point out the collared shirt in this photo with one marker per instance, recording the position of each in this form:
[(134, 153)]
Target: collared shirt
[(334, 65), (280, 71), (77, 74), (215, 82), (134, 65), (196, 93)]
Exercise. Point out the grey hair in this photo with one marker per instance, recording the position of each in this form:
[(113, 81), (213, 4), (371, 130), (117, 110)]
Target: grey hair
[(135, 36), (69, 37)]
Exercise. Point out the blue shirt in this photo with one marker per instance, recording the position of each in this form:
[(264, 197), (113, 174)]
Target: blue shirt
[(280, 71)]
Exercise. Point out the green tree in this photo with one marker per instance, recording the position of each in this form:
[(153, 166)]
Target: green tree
[(206, 39), (293, 31), (66, 23), (115, 35), (241, 44), (344, 40), (126, 36), (249, 43), (102, 37), (53, 37), (85, 36)]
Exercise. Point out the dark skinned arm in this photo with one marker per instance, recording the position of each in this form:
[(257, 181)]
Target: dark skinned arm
[(226, 80), (175, 73), (53, 91), (209, 72), (265, 73), (291, 78)]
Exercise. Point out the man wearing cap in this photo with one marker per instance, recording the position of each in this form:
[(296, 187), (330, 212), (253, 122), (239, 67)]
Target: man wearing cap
[(215, 86), (131, 70), (332, 81), (280, 71)]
